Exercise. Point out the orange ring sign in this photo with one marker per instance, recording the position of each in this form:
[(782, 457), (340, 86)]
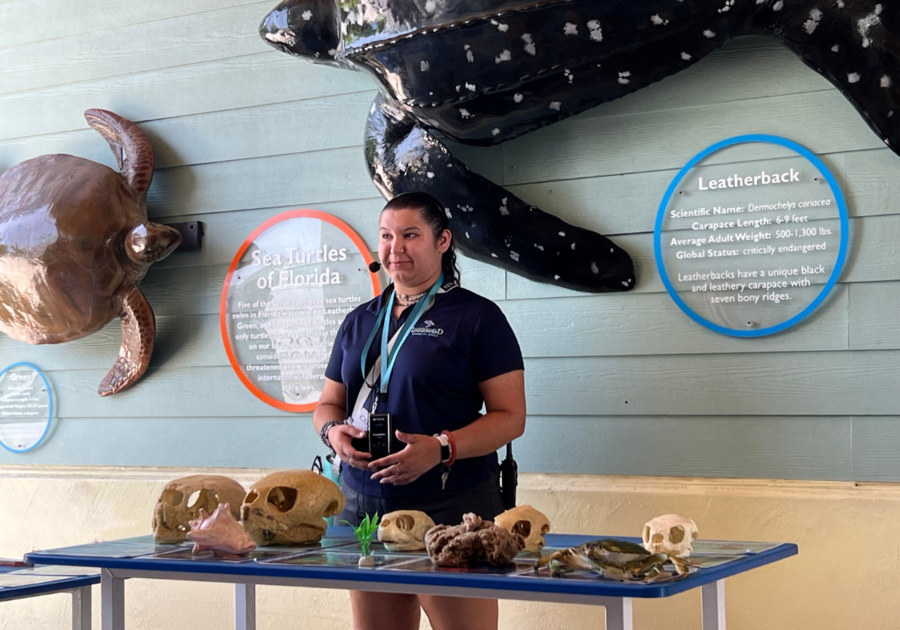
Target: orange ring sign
[(286, 294)]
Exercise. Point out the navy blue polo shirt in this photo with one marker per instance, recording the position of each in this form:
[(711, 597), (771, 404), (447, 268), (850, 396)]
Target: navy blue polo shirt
[(462, 340)]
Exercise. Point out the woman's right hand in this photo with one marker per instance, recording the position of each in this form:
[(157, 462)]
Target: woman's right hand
[(340, 436)]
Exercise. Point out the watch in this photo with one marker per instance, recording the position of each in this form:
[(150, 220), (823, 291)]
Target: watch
[(445, 447)]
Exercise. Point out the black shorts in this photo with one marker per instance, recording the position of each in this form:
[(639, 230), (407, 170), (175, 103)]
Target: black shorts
[(444, 508)]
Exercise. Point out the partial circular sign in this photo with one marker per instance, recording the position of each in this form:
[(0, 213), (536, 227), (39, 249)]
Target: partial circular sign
[(751, 235), (26, 407), (286, 294)]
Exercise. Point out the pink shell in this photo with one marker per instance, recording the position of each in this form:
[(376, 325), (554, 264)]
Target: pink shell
[(219, 531)]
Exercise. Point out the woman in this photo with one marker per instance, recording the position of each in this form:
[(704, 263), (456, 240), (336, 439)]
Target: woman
[(458, 354)]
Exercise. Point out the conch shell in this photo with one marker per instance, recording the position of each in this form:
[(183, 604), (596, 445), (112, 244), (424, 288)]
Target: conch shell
[(219, 531)]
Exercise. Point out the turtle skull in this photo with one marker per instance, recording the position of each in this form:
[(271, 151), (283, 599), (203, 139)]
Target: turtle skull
[(288, 507), (182, 499), (671, 534), (528, 523), (404, 530)]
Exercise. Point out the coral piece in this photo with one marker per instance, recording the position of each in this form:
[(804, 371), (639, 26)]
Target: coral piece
[(220, 532), (528, 523), (182, 499), (670, 534), (483, 72), (404, 530), (471, 542), (289, 507), (74, 244)]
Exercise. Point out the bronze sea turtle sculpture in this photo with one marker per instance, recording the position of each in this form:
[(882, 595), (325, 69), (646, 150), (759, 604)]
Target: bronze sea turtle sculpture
[(484, 71), (74, 244)]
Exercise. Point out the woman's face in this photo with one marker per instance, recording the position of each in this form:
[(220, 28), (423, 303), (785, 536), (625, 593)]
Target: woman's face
[(410, 253)]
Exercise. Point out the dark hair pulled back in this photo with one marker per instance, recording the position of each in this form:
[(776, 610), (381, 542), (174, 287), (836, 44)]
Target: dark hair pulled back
[(432, 212)]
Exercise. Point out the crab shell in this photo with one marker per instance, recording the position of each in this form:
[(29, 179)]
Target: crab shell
[(74, 243)]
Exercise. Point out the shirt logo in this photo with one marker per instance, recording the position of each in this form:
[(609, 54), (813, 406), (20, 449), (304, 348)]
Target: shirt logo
[(427, 329)]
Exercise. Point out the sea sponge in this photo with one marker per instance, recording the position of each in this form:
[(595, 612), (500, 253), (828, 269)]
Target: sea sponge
[(471, 542)]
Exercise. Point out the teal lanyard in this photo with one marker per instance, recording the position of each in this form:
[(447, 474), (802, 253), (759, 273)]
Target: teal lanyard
[(388, 359)]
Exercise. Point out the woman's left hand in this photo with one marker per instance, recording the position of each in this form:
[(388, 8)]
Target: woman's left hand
[(422, 453)]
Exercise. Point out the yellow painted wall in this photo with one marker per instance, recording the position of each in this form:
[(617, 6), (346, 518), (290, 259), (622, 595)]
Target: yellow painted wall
[(840, 580)]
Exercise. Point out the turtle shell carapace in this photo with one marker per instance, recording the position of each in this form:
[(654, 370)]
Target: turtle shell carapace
[(75, 242)]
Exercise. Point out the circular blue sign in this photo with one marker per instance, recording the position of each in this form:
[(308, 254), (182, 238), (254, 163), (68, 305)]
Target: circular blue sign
[(751, 235), (26, 407)]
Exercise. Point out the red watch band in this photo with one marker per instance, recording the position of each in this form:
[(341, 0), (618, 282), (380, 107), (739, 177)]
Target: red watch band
[(452, 448)]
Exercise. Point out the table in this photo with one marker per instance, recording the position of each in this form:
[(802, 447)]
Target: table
[(23, 582), (333, 565)]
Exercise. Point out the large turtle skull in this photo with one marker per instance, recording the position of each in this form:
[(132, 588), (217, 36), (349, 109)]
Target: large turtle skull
[(182, 499), (485, 71), (528, 523), (404, 530), (288, 507)]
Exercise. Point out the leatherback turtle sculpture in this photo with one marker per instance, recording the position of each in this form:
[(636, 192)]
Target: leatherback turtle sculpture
[(484, 71), (74, 243)]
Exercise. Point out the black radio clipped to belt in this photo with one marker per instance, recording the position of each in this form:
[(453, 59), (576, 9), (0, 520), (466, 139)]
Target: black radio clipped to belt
[(509, 479)]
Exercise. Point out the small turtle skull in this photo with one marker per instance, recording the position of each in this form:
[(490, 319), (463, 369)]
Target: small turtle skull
[(404, 530), (528, 523), (670, 534), (182, 499), (288, 507)]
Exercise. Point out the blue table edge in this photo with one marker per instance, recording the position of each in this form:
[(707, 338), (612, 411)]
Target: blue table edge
[(64, 583), (507, 583)]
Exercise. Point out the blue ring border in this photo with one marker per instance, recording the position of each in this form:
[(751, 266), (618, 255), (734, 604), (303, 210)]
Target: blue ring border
[(842, 253), (49, 416)]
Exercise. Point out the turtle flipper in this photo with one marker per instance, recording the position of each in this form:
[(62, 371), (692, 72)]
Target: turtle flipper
[(855, 46), (138, 333), (489, 223), (130, 146)]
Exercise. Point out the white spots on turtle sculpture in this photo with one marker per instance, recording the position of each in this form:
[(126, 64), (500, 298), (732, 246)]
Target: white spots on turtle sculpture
[(595, 32), (815, 16), (570, 29), (503, 56), (529, 44)]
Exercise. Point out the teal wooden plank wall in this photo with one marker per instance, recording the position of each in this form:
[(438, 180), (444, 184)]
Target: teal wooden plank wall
[(617, 384)]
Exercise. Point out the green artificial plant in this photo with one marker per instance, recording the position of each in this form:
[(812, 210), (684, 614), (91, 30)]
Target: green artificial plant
[(364, 531)]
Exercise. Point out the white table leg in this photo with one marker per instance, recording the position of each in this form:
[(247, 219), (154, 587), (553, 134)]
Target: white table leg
[(244, 607), (112, 601), (712, 596), (619, 615), (81, 608)]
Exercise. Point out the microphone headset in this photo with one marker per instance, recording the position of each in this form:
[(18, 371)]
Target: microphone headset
[(375, 266)]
